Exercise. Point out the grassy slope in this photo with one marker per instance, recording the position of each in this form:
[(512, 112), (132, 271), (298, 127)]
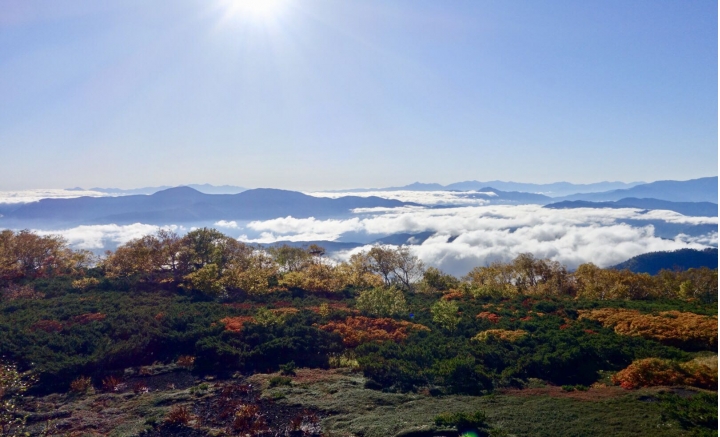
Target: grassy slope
[(355, 410)]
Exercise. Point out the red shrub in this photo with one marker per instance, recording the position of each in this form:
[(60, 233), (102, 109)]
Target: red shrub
[(179, 416), (650, 372), (491, 317), (84, 319), (357, 330), (47, 326), (235, 324)]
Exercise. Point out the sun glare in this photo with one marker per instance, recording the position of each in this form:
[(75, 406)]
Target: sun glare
[(255, 9)]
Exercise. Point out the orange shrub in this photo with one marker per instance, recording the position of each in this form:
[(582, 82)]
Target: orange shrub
[(80, 385), (501, 334), (650, 372), (84, 319), (249, 420), (16, 291), (240, 306), (453, 295), (285, 311), (491, 317), (112, 383), (332, 306), (47, 326), (179, 416), (235, 324), (357, 330), (186, 361), (674, 328)]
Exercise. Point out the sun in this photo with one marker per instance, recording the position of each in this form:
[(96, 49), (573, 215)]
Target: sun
[(256, 10)]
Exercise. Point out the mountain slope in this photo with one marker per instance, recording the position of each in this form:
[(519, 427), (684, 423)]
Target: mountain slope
[(694, 190), (184, 204), (693, 209), (682, 259)]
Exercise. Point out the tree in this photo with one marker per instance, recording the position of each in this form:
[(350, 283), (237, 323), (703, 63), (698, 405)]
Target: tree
[(382, 301), (28, 255), (439, 281), (445, 314), (395, 265), (290, 259)]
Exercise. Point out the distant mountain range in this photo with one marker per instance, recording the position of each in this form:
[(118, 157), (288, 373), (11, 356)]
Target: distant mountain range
[(554, 189), (682, 259), (694, 190), (203, 188), (693, 209), (185, 204)]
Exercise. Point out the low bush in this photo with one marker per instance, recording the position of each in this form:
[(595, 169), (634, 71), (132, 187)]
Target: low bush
[(81, 384), (280, 381), (462, 421), (698, 413), (179, 415), (650, 372)]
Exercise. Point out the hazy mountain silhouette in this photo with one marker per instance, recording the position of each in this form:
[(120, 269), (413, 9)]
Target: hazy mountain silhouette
[(695, 209), (694, 190), (682, 259), (553, 189), (203, 188), (185, 204), (336, 246)]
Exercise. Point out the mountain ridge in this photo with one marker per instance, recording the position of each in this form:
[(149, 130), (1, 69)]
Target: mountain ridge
[(185, 204), (692, 209)]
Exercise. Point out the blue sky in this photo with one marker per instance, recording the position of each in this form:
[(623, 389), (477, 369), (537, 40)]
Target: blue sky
[(320, 94)]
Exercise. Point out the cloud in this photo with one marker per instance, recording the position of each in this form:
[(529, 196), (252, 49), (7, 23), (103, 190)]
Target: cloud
[(103, 236), (433, 198), (501, 232), (26, 196), (227, 224), (463, 237), (305, 229)]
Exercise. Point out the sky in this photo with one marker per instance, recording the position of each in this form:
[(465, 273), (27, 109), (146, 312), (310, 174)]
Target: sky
[(321, 94)]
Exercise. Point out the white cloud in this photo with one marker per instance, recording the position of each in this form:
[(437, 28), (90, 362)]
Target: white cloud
[(227, 224), (26, 196), (469, 198), (501, 232), (98, 236), (481, 234)]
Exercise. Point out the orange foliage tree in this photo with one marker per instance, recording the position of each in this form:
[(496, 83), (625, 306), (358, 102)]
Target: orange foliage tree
[(357, 330)]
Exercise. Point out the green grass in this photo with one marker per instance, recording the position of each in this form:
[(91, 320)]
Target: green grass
[(355, 410)]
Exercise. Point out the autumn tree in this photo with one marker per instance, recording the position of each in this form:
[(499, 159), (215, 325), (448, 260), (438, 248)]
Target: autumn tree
[(27, 255), (436, 280), (290, 259), (445, 314), (382, 301), (395, 265)]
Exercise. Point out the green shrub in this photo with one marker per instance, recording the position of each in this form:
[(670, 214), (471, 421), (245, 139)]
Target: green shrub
[(288, 369), (462, 421), (698, 414), (279, 381)]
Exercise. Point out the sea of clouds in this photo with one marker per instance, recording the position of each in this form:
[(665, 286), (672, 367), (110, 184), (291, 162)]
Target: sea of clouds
[(462, 237), (432, 198), (471, 236)]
